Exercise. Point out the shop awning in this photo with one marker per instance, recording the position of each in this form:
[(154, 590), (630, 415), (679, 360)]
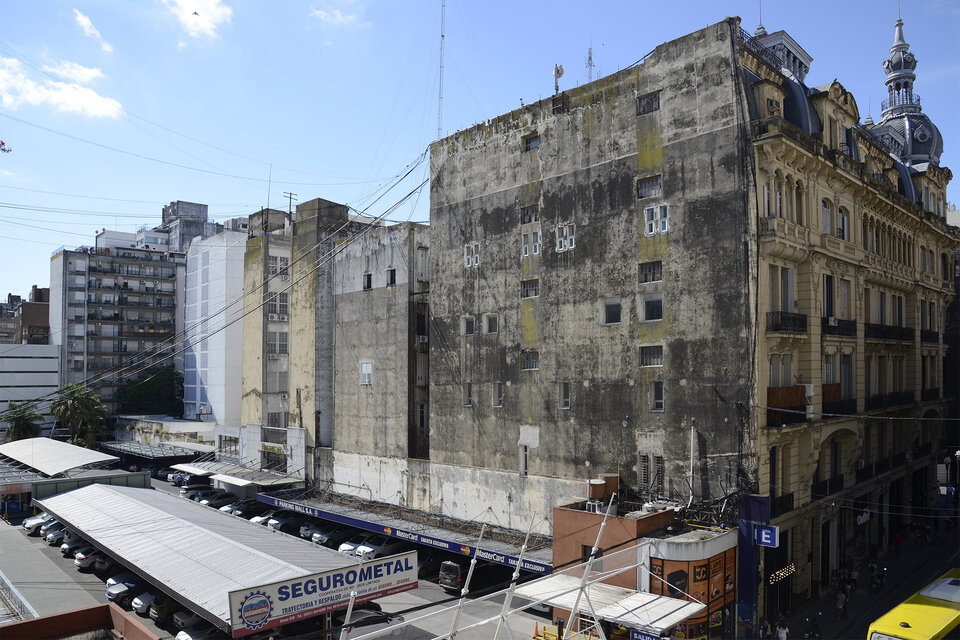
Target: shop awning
[(634, 609)]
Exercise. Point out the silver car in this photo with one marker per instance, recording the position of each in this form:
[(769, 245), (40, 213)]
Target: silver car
[(32, 525)]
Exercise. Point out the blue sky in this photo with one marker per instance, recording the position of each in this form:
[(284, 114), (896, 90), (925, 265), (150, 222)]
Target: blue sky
[(113, 109)]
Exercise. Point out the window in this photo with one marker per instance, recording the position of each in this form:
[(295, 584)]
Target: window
[(843, 224), (284, 266), (881, 307), (531, 142), (536, 242), (564, 395), (651, 271), (229, 445), (271, 342), (272, 265), (529, 288), (491, 323), (276, 420), (846, 377), (643, 471), (282, 342), (467, 326), (524, 460), (367, 281), (658, 468), (651, 356), (826, 211), (271, 302), (648, 187), (653, 309), (566, 236), (529, 214), (829, 368), (525, 247), (648, 103), (284, 303), (531, 360), (656, 220), (611, 311), (828, 309), (391, 277), (657, 396), (366, 373), (423, 417), (496, 394), (471, 255), (467, 394)]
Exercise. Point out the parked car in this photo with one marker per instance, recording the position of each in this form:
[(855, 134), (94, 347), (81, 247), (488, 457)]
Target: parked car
[(183, 619), (219, 500), (102, 563), (202, 494), (187, 488), (310, 527), (49, 526), (202, 630), (380, 546), (451, 576), (286, 522), (251, 509), (85, 557), (195, 480), (264, 517), (141, 604), (124, 576), (348, 547), (160, 473), (163, 608), (175, 476), (69, 548), (71, 535), (33, 524), (333, 536), (55, 537), (123, 593), (428, 564)]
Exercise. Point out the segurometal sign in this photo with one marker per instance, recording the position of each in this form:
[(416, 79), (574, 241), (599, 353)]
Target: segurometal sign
[(278, 603), (412, 536)]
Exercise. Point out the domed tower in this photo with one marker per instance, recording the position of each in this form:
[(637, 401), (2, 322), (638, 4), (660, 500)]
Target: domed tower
[(911, 134)]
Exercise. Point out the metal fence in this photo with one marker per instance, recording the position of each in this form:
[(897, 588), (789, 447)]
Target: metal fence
[(13, 606)]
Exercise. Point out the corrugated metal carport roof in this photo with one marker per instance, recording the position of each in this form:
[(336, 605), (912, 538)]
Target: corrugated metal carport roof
[(194, 553), (145, 450), (52, 457)]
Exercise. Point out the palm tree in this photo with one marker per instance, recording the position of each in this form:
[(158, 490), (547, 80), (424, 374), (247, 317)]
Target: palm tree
[(22, 419), (82, 412)]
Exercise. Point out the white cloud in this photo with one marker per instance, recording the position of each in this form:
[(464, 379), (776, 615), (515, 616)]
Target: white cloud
[(200, 17), (17, 89), (337, 18), (75, 72), (7, 174), (91, 31)]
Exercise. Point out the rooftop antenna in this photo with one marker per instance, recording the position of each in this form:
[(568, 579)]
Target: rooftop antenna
[(589, 63), (443, 22), (557, 74), (290, 198)]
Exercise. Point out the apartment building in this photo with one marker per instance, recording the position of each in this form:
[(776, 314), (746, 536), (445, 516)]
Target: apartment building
[(704, 275)]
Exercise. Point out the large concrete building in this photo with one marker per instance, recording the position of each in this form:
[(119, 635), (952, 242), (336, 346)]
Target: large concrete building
[(704, 275)]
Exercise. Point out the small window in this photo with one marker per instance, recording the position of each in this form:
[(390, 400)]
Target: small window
[(566, 236), (391, 277), (530, 288), (467, 394), (529, 214), (531, 360), (653, 309), (656, 220), (496, 394), (366, 373), (651, 271), (648, 103), (648, 187), (651, 356), (531, 142), (564, 395), (467, 326), (657, 391), (367, 281), (525, 247), (524, 460), (491, 323), (611, 311), (536, 242), (471, 255)]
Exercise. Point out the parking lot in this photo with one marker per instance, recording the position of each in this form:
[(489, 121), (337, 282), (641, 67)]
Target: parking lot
[(52, 583)]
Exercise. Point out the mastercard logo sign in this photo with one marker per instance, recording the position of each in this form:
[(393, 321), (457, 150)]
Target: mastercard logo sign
[(465, 550), (388, 531)]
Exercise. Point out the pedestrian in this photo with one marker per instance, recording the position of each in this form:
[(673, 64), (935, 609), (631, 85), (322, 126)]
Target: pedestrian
[(841, 605), (763, 629), (897, 541), (783, 633), (854, 574)]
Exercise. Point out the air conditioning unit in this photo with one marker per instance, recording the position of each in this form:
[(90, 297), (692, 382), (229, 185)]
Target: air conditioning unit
[(273, 356), (284, 317), (272, 316), (284, 395), (861, 463), (832, 321), (423, 338)]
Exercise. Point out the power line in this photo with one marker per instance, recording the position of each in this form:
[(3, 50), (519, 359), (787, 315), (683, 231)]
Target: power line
[(859, 416)]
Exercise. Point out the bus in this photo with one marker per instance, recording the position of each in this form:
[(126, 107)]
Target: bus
[(930, 614)]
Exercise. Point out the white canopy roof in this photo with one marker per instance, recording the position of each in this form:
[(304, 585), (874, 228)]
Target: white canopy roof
[(634, 609), (235, 474), (52, 457)]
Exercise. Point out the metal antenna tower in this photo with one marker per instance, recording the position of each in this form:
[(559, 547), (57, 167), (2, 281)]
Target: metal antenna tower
[(589, 64), (443, 23)]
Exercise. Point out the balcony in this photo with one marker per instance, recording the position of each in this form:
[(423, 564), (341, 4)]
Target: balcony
[(884, 400), (823, 488), (931, 336), (794, 402), (831, 326), (781, 505), (887, 332), (786, 322), (902, 99), (929, 395), (834, 402)]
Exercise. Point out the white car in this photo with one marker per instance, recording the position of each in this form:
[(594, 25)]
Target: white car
[(264, 518), (141, 604), (378, 547), (32, 525), (126, 576), (85, 557), (183, 619), (55, 538), (203, 630), (348, 547), (70, 547)]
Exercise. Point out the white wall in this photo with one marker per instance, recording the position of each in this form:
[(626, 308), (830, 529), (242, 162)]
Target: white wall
[(28, 372)]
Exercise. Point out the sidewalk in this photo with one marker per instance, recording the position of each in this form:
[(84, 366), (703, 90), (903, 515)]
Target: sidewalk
[(905, 576)]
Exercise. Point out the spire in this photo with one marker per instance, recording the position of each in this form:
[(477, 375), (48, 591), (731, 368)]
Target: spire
[(899, 68)]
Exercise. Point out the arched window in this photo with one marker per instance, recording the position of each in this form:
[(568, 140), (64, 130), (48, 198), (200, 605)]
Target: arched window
[(843, 224), (765, 207), (826, 216)]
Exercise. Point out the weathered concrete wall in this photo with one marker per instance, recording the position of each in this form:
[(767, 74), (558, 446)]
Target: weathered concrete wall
[(585, 172), (251, 406)]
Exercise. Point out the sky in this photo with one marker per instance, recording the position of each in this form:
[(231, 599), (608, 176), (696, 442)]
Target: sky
[(112, 109)]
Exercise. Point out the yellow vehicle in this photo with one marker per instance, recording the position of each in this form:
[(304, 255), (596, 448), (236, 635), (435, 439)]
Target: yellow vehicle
[(930, 614)]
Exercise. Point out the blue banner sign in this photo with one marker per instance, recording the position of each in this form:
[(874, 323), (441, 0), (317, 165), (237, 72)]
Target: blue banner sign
[(642, 635), (418, 538), (768, 535)]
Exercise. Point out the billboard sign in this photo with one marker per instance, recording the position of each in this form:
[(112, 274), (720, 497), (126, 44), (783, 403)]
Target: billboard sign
[(271, 605)]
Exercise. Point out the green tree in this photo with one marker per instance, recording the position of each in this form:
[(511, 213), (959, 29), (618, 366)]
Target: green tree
[(81, 410), (160, 393), (22, 420)]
